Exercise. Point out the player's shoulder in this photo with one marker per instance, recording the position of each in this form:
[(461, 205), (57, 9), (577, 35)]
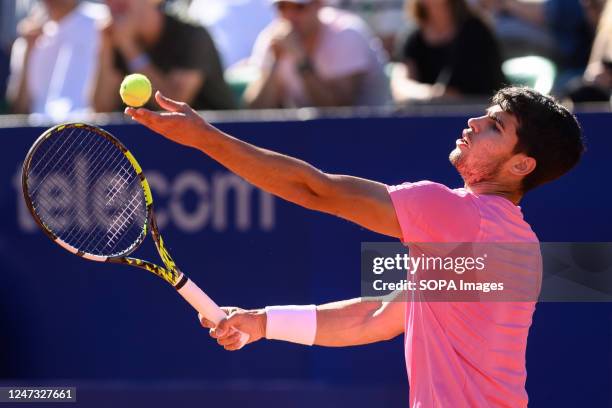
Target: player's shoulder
[(434, 197), (433, 212), (429, 186)]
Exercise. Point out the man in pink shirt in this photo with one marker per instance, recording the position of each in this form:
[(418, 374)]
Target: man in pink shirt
[(458, 354)]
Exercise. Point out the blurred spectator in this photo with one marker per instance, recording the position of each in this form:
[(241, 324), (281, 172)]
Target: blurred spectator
[(11, 12), (178, 56), (4, 72), (317, 56), (233, 24), (53, 60), (596, 83), (451, 52), (570, 24), (385, 17), (519, 36)]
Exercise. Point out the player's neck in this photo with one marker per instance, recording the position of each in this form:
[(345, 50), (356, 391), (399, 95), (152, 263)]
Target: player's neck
[(495, 188)]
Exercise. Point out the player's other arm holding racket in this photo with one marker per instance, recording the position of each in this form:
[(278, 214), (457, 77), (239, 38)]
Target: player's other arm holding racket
[(362, 201), (338, 324)]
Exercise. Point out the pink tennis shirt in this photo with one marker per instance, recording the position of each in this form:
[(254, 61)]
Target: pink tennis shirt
[(464, 354)]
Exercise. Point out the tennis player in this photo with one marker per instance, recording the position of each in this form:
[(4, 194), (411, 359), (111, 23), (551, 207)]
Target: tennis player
[(469, 354)]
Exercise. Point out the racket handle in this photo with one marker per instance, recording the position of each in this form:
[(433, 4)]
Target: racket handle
[(206, 306)]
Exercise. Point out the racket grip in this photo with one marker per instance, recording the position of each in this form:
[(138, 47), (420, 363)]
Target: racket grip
[(206, 306)]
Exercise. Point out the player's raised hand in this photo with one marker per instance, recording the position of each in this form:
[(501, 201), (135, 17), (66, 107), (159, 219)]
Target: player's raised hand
[(251, 322), (179, 123)]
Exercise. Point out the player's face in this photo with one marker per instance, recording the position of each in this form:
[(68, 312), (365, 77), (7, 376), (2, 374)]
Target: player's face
[(486, 146)]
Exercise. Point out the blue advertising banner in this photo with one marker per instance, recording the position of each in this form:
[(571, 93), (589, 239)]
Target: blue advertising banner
[(63, 318)]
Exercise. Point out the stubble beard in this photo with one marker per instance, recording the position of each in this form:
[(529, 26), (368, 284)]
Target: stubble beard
[(475, 172)]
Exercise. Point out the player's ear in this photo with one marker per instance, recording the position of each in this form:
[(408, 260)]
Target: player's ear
[(522, 165)]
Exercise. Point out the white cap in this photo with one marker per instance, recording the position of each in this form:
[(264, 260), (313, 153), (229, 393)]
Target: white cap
[(292, 1)]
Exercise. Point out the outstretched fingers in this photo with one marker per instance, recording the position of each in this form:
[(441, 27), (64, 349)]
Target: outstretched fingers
[(141, 115), (169, 104)]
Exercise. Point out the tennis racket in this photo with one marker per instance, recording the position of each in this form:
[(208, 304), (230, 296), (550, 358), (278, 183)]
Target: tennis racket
[(88, 194)]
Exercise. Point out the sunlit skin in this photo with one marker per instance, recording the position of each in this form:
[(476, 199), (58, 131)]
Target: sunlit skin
[(484, 155)]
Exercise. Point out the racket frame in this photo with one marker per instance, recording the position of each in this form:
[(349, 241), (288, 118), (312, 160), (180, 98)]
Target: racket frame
[(170, 273)]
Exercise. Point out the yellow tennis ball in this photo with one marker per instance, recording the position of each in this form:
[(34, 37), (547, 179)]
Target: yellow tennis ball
[(135, 90)]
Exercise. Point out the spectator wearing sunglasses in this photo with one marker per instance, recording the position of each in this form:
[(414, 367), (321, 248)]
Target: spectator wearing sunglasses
[(312, 55)]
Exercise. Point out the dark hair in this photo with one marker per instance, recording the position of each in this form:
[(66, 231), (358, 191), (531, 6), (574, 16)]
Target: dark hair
[(459, 11), (546, 131)]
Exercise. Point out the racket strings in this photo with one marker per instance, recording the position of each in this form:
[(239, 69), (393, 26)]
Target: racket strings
[(48, 161), (122, 221), (46, 148), (85, 235), (77, 210), (48, 173), (85, 190), (127, 176)]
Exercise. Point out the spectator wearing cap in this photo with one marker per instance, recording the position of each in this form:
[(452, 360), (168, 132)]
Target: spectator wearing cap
[(384, 17), (317, 56)]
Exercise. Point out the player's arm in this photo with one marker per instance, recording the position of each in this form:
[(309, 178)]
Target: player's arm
[(358, 321), (362, 201), (338, 324)]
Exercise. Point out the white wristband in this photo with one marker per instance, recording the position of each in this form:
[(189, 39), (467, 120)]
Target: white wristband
[(297, 324)]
